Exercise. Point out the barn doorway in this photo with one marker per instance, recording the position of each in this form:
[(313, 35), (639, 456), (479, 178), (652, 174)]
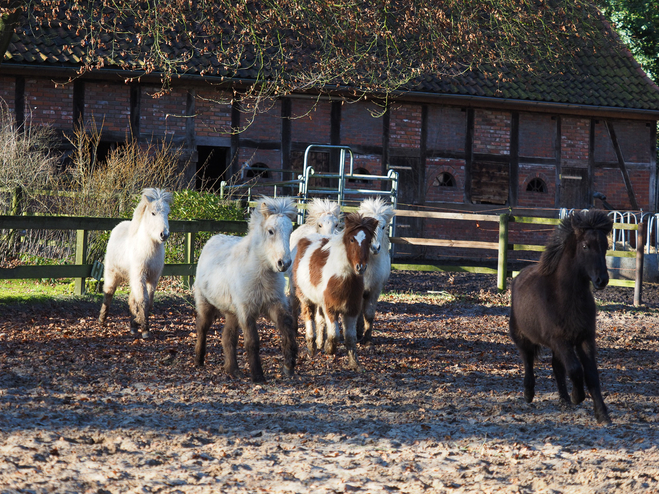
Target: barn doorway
[(212, 167)]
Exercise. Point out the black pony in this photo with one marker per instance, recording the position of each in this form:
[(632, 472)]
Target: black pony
[(552, 305)]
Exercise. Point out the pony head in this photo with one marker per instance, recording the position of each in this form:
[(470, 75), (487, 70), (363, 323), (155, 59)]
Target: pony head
[(152, 214), (381, 211), (272, 221), (324, 216), (584, 235), (358, 234)]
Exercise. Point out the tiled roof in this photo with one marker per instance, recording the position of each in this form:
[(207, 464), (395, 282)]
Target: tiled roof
[(602, 73)]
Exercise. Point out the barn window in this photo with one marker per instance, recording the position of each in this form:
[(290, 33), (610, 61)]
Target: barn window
[(537, 185), (359, 171), (445, 179), (258, 170)]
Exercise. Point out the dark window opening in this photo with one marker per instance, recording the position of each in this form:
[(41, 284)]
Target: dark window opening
[(537, 185), (212, 167), (105, 149), (257, 170), (445, 179), (359, 171)]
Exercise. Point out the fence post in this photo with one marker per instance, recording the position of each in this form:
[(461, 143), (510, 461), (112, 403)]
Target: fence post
[(81, 258), (189, 256), (502, 267), (640, 247)]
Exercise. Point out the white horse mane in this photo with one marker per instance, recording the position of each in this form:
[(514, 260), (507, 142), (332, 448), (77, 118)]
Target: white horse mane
[(320, 207), (377, 208), (149, 196), (271, 205)]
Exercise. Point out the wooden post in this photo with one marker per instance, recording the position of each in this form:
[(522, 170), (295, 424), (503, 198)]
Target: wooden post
[(189, 256), (640, 248), (502, 268), (81, 258)]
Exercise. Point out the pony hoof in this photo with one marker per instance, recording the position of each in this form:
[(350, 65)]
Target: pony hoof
[(578, 397), (528, 396), (565, 405), (258, 379), (287, 371), (147, 335), (603, 419)]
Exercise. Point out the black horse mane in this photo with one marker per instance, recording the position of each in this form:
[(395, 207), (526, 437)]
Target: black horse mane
[(578, 221)]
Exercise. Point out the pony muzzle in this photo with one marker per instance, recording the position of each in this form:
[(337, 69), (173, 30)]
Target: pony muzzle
[(600, 282), (375, 248), (164, 235), (283, 265), (360, 268)]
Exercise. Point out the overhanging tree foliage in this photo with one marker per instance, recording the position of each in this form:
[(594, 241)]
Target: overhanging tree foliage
[(277, 47)]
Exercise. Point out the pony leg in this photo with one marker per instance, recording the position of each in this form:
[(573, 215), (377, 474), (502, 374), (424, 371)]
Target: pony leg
[(350, 337), (138, 301), (559, 375), (251, 337), (229, 343), (109, 287), (332, 326), (566, 353), (586, 354), (205, 316), (370, 304), (321, 328), (287, 328), (309, 327)]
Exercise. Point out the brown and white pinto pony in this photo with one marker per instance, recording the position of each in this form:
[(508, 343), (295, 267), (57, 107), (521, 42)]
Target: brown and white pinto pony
[(329, 274)]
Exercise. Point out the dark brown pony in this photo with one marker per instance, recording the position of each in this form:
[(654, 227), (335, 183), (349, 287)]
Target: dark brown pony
[(552, 305)]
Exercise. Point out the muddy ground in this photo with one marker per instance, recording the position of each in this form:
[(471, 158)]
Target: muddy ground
[(440, 408)]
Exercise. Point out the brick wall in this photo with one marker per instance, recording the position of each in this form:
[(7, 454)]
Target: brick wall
[(310, 121), (437, 194), (447, 128), (405, 126), (163, 116), (633, 138), (492, 132), (358, 127), (48, 103), (609, 181), (213, 113), (7, 93), (547, 174), (537, 135), (262, 123), (575, 138), (107, 105)]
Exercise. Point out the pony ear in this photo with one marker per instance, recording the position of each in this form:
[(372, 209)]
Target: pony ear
[(264, 209)]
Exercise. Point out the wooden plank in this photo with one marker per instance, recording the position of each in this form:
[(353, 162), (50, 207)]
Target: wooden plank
[(626, 283), (530, 248), (430, 242), (179, 270), (620, 253), (535, 220), (62, 271), (433, 267), (89, 223), (447, 216)]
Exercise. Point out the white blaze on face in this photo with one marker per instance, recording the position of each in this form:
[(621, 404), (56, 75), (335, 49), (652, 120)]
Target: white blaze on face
[(360, 237)]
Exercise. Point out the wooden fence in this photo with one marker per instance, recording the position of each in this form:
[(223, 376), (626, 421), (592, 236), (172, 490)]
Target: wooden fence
[(82, 225)]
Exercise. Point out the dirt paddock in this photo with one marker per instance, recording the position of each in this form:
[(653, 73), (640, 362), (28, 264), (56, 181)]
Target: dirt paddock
[(440, 408)]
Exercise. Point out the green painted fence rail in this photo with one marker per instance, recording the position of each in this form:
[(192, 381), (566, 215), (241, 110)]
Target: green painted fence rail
[(82, 269), (83, 225)]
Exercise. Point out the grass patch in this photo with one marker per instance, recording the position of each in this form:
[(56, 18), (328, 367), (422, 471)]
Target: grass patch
[(35, 291)]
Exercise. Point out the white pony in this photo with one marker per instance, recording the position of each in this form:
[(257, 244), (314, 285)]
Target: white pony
[(136, 253), (243, 278), (379, 264), (323, 216)]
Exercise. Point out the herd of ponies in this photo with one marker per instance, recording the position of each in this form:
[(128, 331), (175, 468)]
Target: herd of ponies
[(337, 266)]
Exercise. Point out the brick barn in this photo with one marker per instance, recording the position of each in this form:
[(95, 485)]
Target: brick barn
[(533, 139)]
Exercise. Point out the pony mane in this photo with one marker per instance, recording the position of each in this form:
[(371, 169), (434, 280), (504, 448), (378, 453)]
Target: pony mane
[(354, 221), (376, 207), (272, 205), (578, 221), (319, 207), (150, 195)]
